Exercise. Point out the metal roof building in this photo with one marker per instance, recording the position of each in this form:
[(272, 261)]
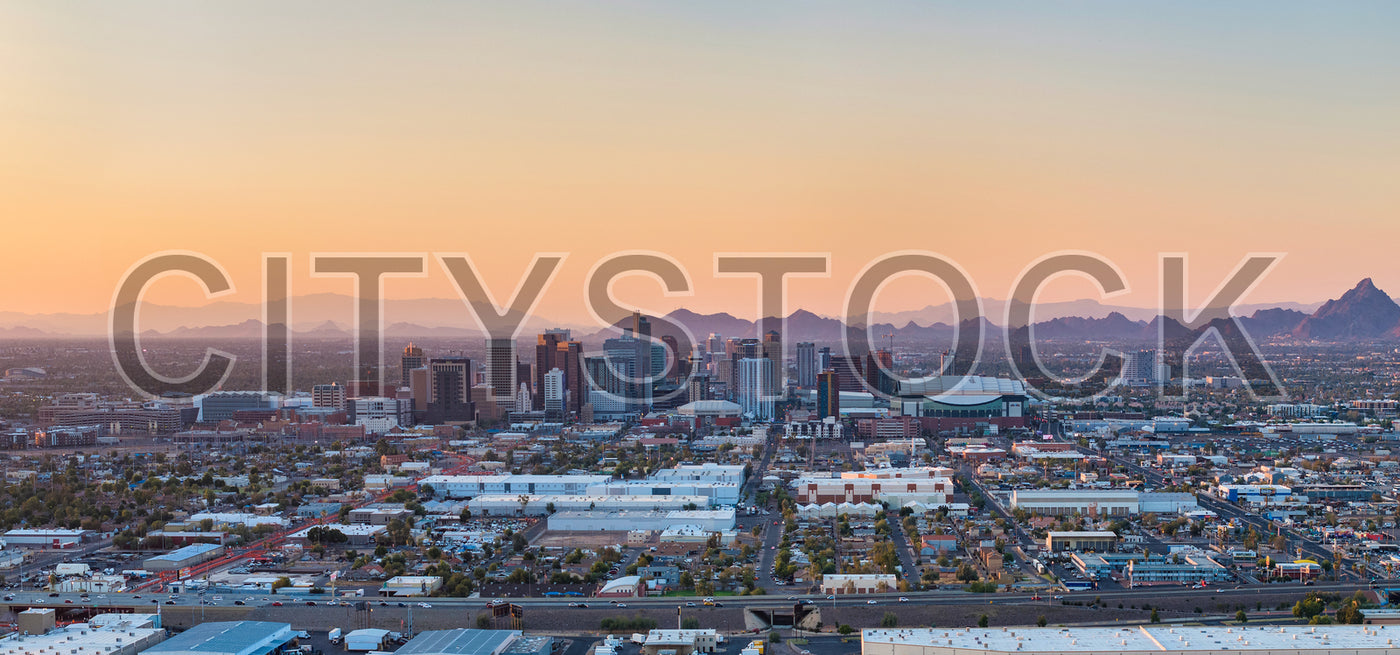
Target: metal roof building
[(227, 638), (182, 557), (1154, 639), (460, 642)]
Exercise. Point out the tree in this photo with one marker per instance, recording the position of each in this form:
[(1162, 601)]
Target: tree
[(1242, 617), (1350, 613), (966, 573), (889, 620), (983, 621), (1041, 621), (845, 629), (1155, 618), (1308, 607)]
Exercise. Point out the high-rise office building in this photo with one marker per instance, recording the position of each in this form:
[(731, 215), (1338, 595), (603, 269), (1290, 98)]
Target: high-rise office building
[(755, 395), (412, 358), (449, 390), (553, 393), (569, 358), (828, 394), (877, 377), (328, 395), (547, 354), (500, 370), (627, 372), (698, 388), (850, 370), (772, 349), (806, 364)]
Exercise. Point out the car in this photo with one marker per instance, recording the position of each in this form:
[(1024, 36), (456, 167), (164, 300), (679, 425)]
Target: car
[(871, 602), (303, 634), (573, 604), (136, 597), (1219, 591), (68, 601), (155, 600), (792, 597), (53, 595), (903, 599), (310, 603), (425, 605), (276, 603), (9, 597), (621, 605), (403, 604), (690, 604), (239, 602), (1057, 597), (718, 605), (169, 602), (831, 598)]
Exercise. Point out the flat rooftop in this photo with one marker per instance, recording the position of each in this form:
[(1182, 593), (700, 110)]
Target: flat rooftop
[(1143, 639)]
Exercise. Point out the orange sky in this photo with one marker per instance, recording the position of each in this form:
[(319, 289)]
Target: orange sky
[(993, 135)]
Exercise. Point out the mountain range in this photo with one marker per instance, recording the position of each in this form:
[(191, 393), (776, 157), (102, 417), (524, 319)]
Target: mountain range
[(1362, 313)]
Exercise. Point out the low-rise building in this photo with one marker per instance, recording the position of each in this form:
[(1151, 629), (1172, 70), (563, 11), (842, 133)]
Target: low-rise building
[(859, 583)]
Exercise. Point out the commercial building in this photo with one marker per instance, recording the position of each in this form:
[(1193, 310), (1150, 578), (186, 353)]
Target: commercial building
[(460, 642), (227, 638), (718, 520), (379, 415), (715, 493), (44, 538), (104, 634), (1056, 542), (1194, 567), (540, 505), (470, 486), (1085, 502), (183, 557), (859, 583), (330, 396), (221, 405), (1155, 639), (355, 535), (411, 585), (930, 491), (680, 642)]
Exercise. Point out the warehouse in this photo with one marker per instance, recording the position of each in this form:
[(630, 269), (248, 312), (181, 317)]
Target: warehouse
[(471, 486), (540, 505), (1104, 541), (1091, 503), (126, 634), (715, 493), (183, 557), (460, 642), (227, 638), (718, 520), (1155, 639), (39, 538)]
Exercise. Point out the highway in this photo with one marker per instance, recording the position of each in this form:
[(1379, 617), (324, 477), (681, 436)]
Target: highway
[(149, 601)]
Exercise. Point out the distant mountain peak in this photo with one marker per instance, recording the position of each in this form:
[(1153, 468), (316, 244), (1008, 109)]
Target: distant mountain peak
[(1363, 312)]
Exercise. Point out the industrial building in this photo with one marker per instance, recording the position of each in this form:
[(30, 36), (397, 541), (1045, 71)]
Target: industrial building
[(41, 538), (471, 486), (105, 634), (1057, 542), (715, 492), (1155, 639), (540, 505), (183, 557), (411, 585), (460, 642), (227, 638), (1085, 502), (930, 491), (717, 520)]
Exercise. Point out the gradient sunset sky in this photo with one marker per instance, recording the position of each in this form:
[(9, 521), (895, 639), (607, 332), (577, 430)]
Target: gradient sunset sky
[(993, 133)]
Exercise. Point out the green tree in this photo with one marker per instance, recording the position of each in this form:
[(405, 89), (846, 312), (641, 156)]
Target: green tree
[(983, 621), (1155, 618)]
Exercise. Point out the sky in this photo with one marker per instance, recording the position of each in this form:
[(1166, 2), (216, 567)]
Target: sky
[(991, 133)]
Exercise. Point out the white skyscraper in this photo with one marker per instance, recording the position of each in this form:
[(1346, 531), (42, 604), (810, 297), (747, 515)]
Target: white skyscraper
[(554, 394), (755, 396)]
